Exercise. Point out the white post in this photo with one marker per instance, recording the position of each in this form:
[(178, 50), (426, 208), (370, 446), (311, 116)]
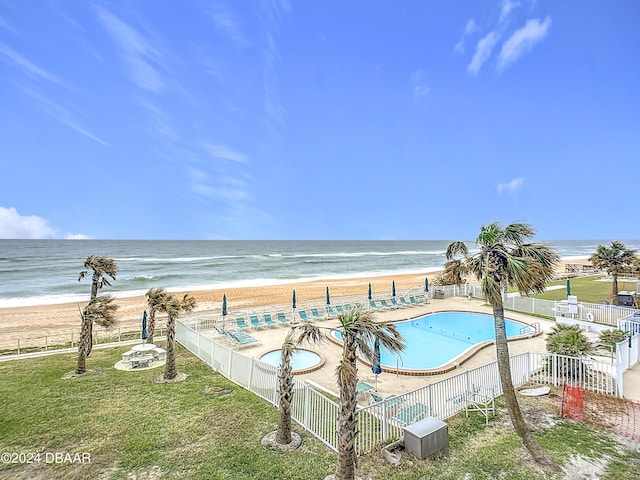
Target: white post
[(307, 407), (251, 368)]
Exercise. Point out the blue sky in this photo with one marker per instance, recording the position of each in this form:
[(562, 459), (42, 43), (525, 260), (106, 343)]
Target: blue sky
[(318, 120)]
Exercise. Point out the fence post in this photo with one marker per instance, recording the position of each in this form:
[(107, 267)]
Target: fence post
[(554, 367), (307, 408), (46, 343), (251, 368), (18, 346)]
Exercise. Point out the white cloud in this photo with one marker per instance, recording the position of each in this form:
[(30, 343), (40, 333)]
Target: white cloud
[(224, 152), (30, 68), (483, 51), (469, 29), (418, 85), (140, 56), (507, 6), (522, 41), (14, 225), (77, 236), (511, 187), (227, 25)]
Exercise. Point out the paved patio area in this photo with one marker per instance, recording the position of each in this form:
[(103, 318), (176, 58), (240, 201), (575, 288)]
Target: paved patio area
[(272, 338)]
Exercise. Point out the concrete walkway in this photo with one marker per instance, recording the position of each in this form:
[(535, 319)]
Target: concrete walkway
[(631, 383)]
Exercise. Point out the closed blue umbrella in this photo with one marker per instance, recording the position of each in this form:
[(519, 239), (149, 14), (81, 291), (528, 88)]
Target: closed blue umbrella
[(393, 288), (568, 287), (224, 305), (426, 284), (144, 325), (375, 367), (328, 297), (293, 300), (369, 294)]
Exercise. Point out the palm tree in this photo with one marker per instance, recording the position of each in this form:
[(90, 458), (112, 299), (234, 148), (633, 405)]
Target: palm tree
[(173, 307), (155, 297), (100, 266), (285, 377), (359, 332), (102, 311), (614, 259), (506, 260)]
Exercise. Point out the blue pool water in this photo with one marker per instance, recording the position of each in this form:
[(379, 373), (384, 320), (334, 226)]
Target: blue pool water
[(436, 339), (300, 360)]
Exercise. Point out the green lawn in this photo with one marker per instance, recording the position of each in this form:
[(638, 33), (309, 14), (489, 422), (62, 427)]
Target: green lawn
[(587, 289), (133, 428)]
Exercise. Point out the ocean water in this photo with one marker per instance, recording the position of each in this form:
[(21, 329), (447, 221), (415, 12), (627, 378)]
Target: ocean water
[(38, 272)]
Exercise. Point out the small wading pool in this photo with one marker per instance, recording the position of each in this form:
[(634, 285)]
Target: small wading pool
[(302, 361), (439, 342)]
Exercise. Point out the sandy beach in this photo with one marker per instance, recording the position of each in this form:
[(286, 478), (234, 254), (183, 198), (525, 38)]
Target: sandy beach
[(36, 321)]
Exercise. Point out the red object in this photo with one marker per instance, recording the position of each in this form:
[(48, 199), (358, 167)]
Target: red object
[(573, 403)]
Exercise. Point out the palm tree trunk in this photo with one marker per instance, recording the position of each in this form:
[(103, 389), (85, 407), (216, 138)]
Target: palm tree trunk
[(95, 279), (84, 346), (151, 327), (614, 288), (347, 419), (170, 371), (285, 390), (504, 368)]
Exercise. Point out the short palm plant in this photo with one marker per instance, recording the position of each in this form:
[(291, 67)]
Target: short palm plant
[(102, 311), (506, 258), (155, 297), (568, 340), (173, 307)]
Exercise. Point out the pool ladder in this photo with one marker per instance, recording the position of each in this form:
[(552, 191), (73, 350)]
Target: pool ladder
[(398, 361), (535, 326)]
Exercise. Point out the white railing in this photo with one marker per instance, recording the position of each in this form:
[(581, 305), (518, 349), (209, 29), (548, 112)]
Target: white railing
[(383, 422)]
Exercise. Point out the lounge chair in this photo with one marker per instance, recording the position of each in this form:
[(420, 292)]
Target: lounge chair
[(410, 414), (242, 338), (242, 323), (404, 302), (316, 313), (375, 306), (339, 309), (414, 301), (268, 320), (391, 402), (395, 303), (385, 304), (255, 321), (303, 316), (362, 387), (282, 318), (331, 312)]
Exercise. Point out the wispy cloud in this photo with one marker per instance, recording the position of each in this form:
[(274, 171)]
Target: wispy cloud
[(418, 85), (77, 236), (522, 41), (29, 68), (507, 7), (141, 58), (227, 25), (14, 225), (469, 29), (511, 187), (483, 51), (224, 152), (61, 114)]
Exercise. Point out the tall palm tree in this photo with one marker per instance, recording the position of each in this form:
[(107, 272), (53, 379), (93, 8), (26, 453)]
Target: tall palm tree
[(614, 259), (285, 376), (173, 307), (505, 259), (102, 311), (100, 266), (155, 297), (359, 332)]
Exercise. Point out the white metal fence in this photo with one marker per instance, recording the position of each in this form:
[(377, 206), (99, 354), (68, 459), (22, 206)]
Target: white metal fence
[(383, 422)]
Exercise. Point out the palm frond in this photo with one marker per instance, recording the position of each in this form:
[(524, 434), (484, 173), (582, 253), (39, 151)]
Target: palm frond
[(456, 248), (101, 310)]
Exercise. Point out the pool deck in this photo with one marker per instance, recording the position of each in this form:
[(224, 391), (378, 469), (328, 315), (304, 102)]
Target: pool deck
[(388, 383)]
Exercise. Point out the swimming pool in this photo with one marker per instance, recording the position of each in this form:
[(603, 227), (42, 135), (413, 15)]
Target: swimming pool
[(302, 361), (439, 342)]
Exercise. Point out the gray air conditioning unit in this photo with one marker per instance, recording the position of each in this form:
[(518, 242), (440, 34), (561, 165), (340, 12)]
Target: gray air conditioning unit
[(426, 437)]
